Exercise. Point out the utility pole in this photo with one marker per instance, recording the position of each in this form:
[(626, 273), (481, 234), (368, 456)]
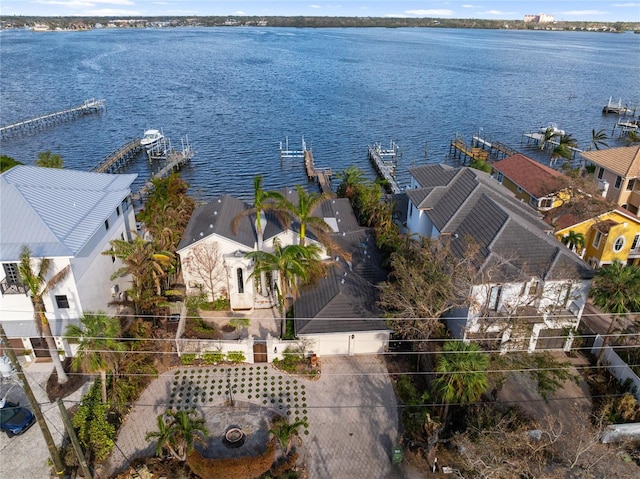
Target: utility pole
[(74, 440), (51, 445)]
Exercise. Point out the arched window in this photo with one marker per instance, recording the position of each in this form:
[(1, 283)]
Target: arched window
[(240, 280)]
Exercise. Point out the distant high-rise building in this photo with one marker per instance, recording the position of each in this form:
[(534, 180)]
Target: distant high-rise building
[(541, 18)]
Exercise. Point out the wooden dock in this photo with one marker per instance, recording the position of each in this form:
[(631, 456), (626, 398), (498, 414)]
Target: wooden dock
[(385, 162), (174, 161), (458, 148), (30, 126), (322, 175), (119, 158), (618, 108), (496, 149)]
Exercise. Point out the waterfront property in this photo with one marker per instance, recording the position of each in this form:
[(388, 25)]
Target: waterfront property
[(530, 290), (68, 217), (618, 174), (214, 261), (530, 181)]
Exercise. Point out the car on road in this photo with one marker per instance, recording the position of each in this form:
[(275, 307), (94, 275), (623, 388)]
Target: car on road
[(14, 419)]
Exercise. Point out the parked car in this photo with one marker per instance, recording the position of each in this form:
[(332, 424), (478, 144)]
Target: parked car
[(14, 419)]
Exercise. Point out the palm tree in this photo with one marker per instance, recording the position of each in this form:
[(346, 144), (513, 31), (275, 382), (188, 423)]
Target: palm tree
[(574, 241), (47, 159), (262, 201), (6, 162), (598, 138), (303, 211), (96, 345), (285, 432), (351, 178), (632, 137), (616, 290), (563, 149), (39, 286), (549, 134), (146, 265), (178, 431), (292, 263), (462, 376)]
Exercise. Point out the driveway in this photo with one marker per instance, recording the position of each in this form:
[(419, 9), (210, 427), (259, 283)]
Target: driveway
[(351, 411)]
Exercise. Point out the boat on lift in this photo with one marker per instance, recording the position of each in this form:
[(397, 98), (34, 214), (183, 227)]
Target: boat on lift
[(553, 128), (151, 139)]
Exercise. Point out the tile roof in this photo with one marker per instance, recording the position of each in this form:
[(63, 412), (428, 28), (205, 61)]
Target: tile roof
[(507, 232), (55, 211), (533, 177), (624, 160)]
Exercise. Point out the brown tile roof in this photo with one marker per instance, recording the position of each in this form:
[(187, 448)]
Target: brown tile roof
[(533, 177), (624, 160)]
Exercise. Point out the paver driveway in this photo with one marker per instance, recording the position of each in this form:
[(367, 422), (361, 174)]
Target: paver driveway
[(351, 413)]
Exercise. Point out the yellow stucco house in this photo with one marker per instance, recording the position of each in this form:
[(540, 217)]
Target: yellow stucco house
[(605, 238)]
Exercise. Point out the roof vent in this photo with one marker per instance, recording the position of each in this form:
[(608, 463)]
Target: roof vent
[(219, 200), (210, 225), (201, 233), (342, 280), (215, 213)]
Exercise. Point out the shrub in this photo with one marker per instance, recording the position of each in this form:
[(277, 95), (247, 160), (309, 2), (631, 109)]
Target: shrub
[(235, 356), (222, 304), (212, 357), (188, 358)]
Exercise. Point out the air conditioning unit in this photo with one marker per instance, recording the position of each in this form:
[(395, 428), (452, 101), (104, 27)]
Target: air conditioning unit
[(603, 185), (115, 289)]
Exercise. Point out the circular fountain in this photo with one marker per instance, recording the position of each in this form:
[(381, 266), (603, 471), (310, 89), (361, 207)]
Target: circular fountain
[(234, 437)]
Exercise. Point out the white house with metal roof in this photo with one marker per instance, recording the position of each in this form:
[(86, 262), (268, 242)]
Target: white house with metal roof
[(68, 217), (530, 290)]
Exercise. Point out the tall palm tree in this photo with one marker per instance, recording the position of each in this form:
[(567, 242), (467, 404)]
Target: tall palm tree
[(178, 431), (303, 211), (262, 201), (549, 134), (563, 148), (462, 378), (40, 283), (97, 344), (351, 177), (574, 241), (616, 289), (285, 432), (146, 265), (293, 263), (598, 138), (47, 159)]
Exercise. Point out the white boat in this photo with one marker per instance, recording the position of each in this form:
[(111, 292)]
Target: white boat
[(553, 128), (151, 138)]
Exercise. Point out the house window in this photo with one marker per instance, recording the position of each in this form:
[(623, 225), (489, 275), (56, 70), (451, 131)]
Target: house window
[(619, 244), (636, 242), (596, 240), (62, 301), (546, 203), (519, 189), (631, 184), (534, 201), (240, 280), (533, 288), (500, 177), (106, 224), (600, 173), (410, 209), (11, 273), (618, 182), (494, 297), (117, 210)]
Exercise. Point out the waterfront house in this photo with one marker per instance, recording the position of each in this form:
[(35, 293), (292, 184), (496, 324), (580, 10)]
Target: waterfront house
[(210, 249), (618, 174), (612, 235), (530, 290), (530, 181), (68, 217)]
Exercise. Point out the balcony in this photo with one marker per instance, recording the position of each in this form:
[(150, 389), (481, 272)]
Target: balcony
[(12, 288)]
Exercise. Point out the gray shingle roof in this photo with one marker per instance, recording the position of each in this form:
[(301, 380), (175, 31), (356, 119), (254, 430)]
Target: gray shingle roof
[(340, 302), (55, 211), (507, 232)]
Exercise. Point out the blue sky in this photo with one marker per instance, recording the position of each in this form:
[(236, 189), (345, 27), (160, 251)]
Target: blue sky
[(570, 10)]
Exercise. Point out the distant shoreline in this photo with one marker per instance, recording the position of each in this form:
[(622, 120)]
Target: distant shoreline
[(90, 23)]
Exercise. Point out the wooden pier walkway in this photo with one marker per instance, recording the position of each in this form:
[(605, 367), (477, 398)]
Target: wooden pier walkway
[(458, 147), (385, 162), (29, 126), (119, 158), (174, 161), (322, 175)]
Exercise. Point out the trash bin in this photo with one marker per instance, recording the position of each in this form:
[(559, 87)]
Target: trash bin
[(396, 455)]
